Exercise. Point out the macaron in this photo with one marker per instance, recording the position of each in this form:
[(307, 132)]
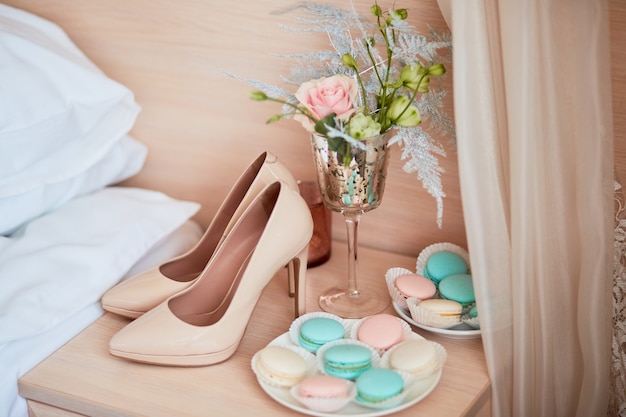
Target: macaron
[(324, 393), (441, 264), (414, 285), (473, 313), (380, 331), (459, 288), (347, 360), (378, 384), (323, 386), (318, 331), (417, 357), (448, 309), (280, 366)]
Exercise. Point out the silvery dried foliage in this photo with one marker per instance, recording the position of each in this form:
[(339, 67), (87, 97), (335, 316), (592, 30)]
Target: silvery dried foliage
[(346, 31)]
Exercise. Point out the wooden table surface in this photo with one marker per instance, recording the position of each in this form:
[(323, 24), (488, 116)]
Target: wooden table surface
[(84, 378)]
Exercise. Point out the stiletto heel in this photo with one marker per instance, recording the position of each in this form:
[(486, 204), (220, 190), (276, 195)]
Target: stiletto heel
[(296, 270), (135, 296), (204, 324), (291, 273)]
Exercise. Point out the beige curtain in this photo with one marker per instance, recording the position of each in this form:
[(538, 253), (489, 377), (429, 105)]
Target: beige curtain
[(533, 115)]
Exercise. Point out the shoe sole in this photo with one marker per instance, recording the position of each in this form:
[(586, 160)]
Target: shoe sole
[(183, 360), (124, 313)]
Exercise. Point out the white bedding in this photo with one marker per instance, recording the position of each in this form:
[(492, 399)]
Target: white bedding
[(18, 357), (64, 124), (66, 233)]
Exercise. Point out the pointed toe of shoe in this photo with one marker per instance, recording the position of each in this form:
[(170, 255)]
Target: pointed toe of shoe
[(142, 339), (160, 338), (141, 293), (125, 345)]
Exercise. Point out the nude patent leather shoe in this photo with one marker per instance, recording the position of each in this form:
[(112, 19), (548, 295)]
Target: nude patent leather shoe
[(135, 296), (204, 324)]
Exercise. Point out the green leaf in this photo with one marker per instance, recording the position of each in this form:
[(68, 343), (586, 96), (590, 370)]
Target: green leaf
[(320, 125), (274, 118)]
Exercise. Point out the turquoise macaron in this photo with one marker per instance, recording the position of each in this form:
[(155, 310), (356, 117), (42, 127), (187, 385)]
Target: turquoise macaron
[(347, 361), (378, 384), (316, 332), (441, 264), (459, 288)]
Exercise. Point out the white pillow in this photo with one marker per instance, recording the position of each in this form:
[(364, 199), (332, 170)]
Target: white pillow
[(59, 114), (124, 160), (59, 263), (19, 357)]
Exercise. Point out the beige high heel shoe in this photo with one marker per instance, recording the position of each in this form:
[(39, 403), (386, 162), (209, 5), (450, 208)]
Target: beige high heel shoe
[(138, 294), (204, 324)]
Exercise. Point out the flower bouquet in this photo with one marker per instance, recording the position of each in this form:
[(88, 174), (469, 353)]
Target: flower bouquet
[(368, 92), (376, 80)]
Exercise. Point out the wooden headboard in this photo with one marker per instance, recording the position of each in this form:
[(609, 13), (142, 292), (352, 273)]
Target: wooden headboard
[(203, 130)]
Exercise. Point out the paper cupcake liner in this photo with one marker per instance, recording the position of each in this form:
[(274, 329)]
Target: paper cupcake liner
[(294, 328), (309, 358), (323, 349), (429, 318), (325, 405), (406, 332), (440, 358), (392, 401), (473, 322), (390, 279), (439, 247)]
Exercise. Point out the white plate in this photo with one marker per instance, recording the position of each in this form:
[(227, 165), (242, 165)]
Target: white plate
[(462, 331), (416, 392)]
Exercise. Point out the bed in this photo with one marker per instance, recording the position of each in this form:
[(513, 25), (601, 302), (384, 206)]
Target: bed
[(68, 231)]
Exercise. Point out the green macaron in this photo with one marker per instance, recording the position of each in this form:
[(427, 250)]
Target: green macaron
[(459, 288), (441, 264), (378, 384), (347, 361), (318, 331)]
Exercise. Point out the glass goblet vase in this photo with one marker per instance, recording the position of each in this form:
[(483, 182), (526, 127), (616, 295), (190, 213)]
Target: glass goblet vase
[(352, 182)]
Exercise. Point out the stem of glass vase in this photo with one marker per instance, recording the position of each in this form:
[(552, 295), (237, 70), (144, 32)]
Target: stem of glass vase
[(352, 301), (352, 226)]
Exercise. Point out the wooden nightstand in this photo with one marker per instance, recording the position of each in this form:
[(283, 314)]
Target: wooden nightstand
[(82, 378)]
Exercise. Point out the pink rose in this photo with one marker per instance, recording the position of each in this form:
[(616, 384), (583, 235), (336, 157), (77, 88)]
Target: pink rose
[(336, 94)]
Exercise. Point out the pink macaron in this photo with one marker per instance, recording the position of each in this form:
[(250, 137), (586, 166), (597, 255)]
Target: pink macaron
[(324, 393), (381, 331), (414, 285), (323, 386)]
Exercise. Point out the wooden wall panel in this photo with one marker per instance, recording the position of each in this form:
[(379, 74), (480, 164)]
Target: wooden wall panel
[(203, 130), (200, 125)]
